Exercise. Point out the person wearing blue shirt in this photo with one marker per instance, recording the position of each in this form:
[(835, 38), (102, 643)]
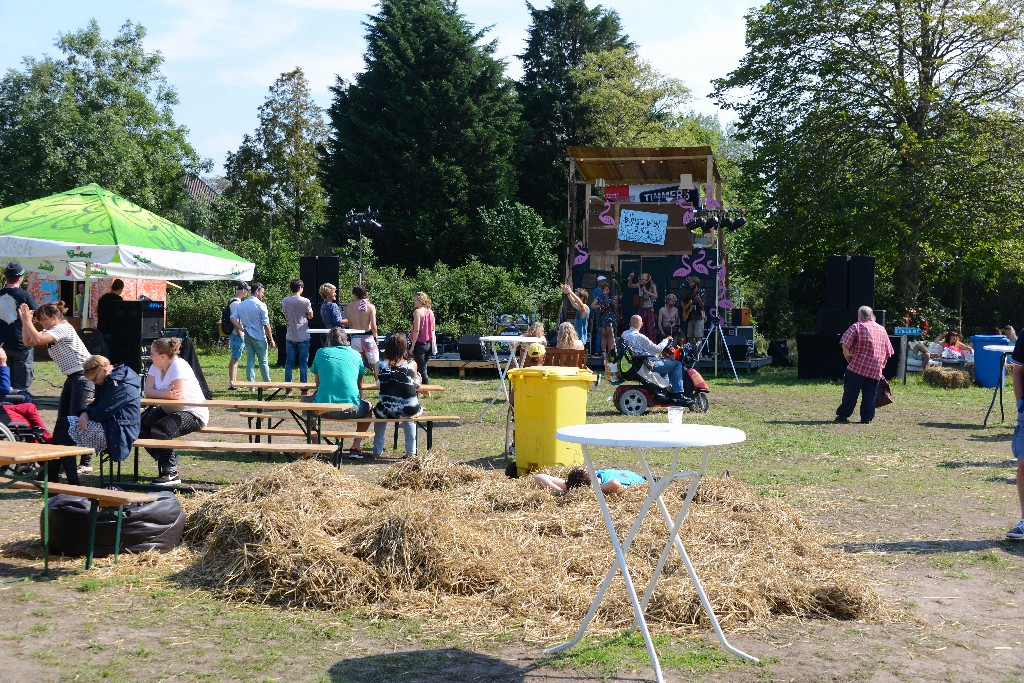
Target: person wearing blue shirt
[(251, 317), (612, 481)]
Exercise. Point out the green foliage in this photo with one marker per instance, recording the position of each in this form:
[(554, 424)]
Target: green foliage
[(515, 238), (102, 113), (463, 297), (627, 102), (274, 175), (425, 134), (560, 37), (197, 308), (875, 128)]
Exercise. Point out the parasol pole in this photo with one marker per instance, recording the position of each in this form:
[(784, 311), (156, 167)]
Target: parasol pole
[(86, 296)]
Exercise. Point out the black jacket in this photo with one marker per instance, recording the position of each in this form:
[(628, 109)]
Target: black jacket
[(117, 408)]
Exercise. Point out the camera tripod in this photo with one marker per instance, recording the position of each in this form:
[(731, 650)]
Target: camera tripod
[(716, 324)]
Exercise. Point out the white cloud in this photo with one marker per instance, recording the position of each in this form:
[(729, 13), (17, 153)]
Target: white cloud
[(364, 6)]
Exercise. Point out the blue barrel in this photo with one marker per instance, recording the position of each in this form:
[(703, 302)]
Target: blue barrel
[(986, 363)]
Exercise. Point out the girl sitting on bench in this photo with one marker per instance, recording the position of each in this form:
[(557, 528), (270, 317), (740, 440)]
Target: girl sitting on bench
[(398, 380)]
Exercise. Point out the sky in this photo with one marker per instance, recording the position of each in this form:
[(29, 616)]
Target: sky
[(222, 55)]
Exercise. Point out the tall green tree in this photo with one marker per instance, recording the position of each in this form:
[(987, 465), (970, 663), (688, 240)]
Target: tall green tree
[(883, 127), (625, 101), (100, 113), (559, 39), (425, 134), (274, 177)]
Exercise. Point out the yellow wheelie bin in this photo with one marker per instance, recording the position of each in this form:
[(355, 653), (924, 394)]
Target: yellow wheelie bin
[(545, 399)]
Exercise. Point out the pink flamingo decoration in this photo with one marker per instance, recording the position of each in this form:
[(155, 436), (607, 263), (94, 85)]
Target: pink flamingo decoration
[(604, 217), (583, 255), (698, 265), (685, 269)]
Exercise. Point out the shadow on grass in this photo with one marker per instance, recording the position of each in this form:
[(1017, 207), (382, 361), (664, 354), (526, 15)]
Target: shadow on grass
[(807, 423), (957, 464), (934, 547), (426, 666), (953, 425), (31, 551), (991, 438)]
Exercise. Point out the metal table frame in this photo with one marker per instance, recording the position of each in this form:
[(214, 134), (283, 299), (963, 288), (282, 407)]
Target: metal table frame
[(514, 342), (641, 436)]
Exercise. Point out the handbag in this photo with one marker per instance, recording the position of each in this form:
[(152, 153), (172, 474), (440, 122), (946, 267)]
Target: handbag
[(884, 395), (433, 344)]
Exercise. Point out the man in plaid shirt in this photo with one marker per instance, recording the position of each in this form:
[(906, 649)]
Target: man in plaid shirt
[(867, 347)]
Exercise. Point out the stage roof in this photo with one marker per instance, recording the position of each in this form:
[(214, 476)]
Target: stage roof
[(643, 165)]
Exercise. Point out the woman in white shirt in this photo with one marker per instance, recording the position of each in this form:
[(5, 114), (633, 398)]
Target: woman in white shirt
[(171, 377), (69, 353)]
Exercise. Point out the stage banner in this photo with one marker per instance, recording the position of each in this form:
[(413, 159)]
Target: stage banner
[(643, 226), (651, 193)]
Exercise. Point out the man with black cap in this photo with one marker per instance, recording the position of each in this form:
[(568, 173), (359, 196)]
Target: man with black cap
[(19, 356), (236, 340)]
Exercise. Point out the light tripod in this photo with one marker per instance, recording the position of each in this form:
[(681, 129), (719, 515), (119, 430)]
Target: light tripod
[(716, 324)]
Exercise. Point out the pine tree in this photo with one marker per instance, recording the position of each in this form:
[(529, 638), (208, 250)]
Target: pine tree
[(425, 134)]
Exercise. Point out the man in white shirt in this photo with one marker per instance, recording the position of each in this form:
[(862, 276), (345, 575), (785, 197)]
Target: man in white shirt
[(251, 317), (669, 368)]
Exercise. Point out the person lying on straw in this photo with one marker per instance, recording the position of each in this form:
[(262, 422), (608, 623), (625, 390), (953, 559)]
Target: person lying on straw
[(612, 481)]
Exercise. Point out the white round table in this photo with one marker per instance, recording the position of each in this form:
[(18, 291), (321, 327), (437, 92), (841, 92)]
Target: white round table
[(513, 342), (641, 436)]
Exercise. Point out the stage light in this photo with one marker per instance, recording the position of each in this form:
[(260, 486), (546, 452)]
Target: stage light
[(712, 221), (739, 223), (728, 223)]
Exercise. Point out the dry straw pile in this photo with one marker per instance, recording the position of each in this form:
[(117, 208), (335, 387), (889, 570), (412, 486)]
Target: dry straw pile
[(453, 544), (949, 378)]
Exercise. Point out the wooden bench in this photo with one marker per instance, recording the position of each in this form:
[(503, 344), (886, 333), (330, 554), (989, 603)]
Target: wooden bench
[(289, 449), (426, 421), (97, 498), (252, 432)]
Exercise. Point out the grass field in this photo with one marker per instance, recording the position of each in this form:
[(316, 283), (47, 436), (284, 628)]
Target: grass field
[(921, 497)]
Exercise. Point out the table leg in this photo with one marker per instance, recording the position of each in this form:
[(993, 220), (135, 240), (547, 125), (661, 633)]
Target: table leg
[(674, 541), (46, 520), (117, 533), (618, 564), (502, 375), (94, 507)]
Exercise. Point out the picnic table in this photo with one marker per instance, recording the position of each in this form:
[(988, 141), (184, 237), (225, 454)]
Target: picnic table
[(19, 453), (306, 413)]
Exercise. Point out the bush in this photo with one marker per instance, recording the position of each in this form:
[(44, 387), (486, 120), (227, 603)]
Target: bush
[(197, 308)]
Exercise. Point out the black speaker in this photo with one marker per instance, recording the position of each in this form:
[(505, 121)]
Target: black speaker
[(819, 356), (92, 339), (315, 271), (861, 290), (470, 348), (836, 281), (836, 320), (145, 318)]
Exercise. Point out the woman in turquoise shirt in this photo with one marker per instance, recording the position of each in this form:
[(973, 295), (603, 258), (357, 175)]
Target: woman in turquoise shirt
[(612, 481)]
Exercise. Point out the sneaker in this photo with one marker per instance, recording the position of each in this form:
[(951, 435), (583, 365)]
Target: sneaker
[(840, 418), (1017, 532), (355, 454), (167, 479), (85, 469)]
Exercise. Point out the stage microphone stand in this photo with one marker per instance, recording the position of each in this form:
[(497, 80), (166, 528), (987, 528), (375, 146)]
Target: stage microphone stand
[(716, 324)]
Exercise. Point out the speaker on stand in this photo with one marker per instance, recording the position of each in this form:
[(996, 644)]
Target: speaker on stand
[(135, 325), (470, 347)]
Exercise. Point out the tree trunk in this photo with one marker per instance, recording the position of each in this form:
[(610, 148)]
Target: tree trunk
[(909, 267)]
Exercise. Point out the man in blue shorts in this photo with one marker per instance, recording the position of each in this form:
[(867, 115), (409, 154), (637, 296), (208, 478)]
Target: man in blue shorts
[(236, 339), (1016, 363)]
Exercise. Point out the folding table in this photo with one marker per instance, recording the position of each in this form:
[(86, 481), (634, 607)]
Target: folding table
[(640, 436), (513, 342)]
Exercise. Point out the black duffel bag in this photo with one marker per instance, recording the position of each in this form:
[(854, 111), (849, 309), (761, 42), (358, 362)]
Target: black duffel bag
[(156, 525)]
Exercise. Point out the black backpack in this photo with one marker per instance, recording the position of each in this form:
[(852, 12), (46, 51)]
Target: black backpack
[(226, 326)]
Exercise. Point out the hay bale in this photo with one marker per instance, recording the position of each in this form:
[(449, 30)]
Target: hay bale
[(949, 378), (456, 546)]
